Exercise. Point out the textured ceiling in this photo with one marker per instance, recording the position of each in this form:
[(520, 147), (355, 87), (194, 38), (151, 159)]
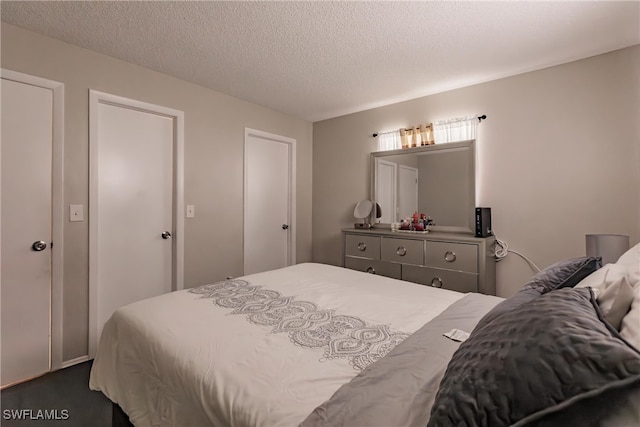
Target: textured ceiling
[(318, 60)]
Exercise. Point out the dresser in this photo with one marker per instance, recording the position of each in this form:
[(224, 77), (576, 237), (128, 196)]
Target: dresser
[(460, 262)]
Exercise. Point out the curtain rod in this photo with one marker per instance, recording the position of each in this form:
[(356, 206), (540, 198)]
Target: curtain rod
[(480, 119)]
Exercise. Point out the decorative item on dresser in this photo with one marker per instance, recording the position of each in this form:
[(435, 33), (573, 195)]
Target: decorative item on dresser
[(362, 212), (455, 261)]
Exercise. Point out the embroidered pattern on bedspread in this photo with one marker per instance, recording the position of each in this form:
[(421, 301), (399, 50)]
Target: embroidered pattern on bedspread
[(308, 326)]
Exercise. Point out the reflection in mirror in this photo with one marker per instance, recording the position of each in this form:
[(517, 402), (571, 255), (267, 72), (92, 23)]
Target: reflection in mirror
[(437, 180)]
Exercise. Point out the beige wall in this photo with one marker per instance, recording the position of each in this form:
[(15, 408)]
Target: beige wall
[(214, 141), (558, 157)]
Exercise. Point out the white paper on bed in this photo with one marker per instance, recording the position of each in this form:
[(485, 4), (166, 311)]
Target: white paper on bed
[(183, 359)]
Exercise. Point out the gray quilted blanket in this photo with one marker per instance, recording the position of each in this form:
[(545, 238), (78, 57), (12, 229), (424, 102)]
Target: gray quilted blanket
[(400, 389)]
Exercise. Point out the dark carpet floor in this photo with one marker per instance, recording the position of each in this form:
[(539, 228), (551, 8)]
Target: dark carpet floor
[(62, 396)]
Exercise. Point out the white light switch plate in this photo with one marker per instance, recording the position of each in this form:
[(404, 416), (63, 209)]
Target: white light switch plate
[(191, 211), (76, 213)]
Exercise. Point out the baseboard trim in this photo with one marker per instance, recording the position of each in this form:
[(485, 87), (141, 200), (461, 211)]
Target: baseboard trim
[(23, 381), (75, 361)]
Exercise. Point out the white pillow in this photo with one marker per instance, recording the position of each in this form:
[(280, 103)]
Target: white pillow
[(631, 260), (628, 265), (603, 277), (613, 292), (630, 329)]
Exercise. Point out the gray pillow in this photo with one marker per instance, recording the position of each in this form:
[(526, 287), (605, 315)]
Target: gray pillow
[(536, 360), (562, 274)]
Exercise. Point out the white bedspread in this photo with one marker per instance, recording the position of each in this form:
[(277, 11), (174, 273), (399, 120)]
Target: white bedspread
[(181, 359)]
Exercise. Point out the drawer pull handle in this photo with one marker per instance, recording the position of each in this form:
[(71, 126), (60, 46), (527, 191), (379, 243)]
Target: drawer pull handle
[(449, 256), (362, 246), (371, 270), (436, 282), (401, 251)]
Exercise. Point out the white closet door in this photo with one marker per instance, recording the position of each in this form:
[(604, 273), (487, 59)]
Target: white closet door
[(133, 198), (26, 153), (269, 201)]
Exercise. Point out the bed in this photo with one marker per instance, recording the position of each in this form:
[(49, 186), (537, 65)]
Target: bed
[(318, 345)]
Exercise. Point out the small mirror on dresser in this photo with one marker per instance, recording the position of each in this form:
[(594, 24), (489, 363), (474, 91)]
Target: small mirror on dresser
[(437, 180)]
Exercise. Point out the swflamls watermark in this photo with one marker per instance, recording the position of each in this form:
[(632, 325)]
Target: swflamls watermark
[(35, 414)]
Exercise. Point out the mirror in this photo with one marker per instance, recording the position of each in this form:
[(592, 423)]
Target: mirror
[(437, 180), (363, 209)]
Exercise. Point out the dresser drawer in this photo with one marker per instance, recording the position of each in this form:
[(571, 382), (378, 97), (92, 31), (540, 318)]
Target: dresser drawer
[(362, 246), (405, 251), (452, 256), (373, 266), (439, 278)]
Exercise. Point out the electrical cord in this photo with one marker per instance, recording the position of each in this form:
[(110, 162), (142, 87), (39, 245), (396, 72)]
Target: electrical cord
[(502, 250)]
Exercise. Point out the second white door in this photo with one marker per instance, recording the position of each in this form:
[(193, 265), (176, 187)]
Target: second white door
[(269, 202), (132, 205)]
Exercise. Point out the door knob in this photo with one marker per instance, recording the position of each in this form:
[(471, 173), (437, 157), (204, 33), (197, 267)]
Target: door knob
[(39, 246), (285, 226), (166, 235)]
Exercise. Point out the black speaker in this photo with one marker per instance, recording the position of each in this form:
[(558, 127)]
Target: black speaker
[(483, 222)]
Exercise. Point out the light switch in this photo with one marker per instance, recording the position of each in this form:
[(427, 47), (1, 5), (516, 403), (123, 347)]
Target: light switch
[(191, 211), (76, 213)]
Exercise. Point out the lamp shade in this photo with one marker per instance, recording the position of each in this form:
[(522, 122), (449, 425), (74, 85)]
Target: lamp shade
[(607, 246)]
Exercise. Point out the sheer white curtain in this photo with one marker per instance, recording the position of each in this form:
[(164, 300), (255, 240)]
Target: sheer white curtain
[(389, 140), (406, 138), (451, 130), (458, 129)]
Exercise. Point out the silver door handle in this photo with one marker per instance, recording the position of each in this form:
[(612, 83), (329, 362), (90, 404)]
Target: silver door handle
[(436, 282), (39, 246), (166, 235), (285, 226)]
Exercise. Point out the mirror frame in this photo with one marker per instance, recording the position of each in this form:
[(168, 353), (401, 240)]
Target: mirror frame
[(470, 227)]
